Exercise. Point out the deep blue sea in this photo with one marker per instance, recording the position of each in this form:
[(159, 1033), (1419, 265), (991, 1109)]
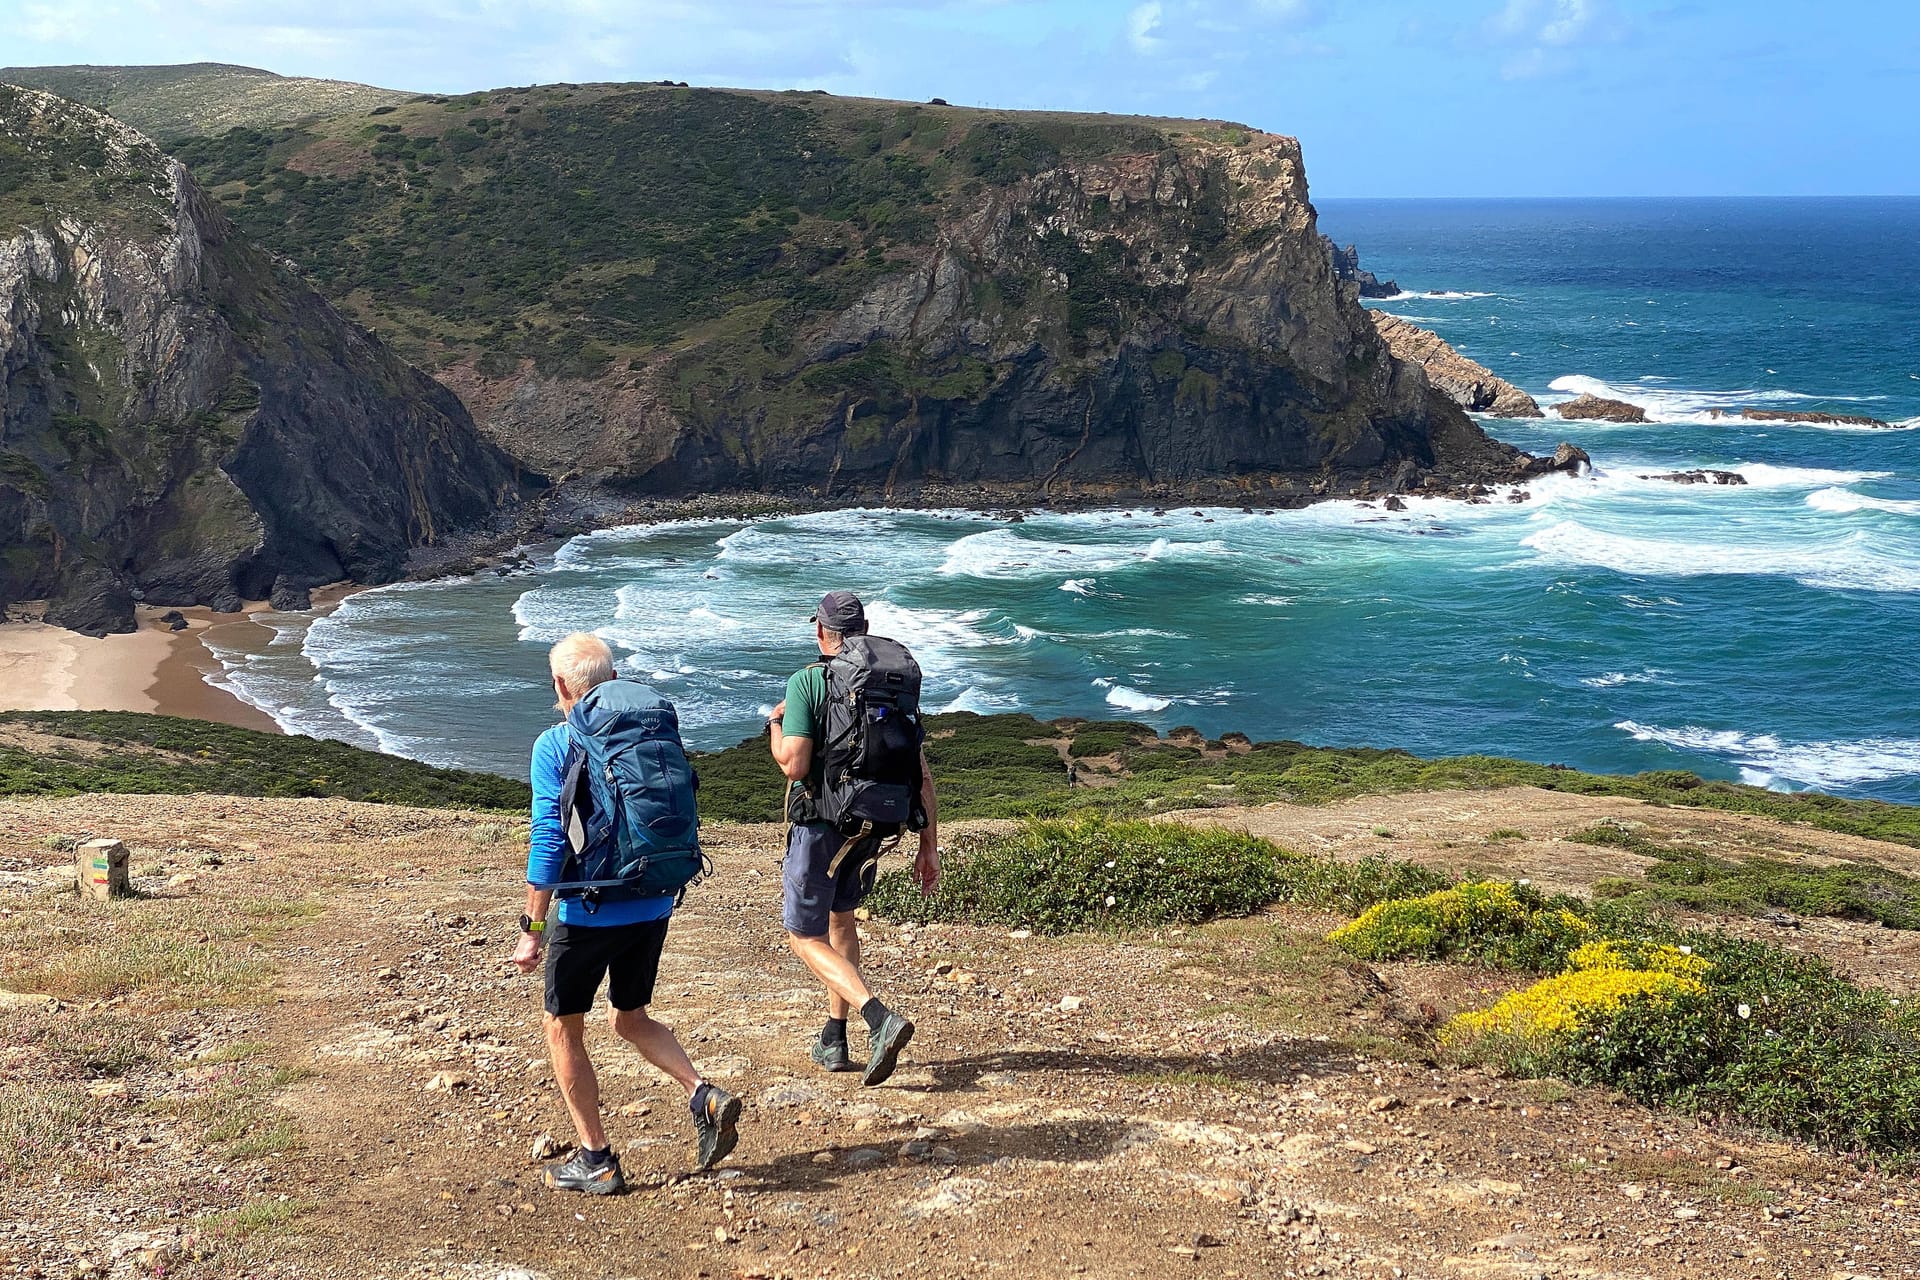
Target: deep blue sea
[(1768, 631)]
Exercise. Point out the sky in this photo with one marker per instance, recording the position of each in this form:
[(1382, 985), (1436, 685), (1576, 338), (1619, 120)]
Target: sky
[(1388, 97)]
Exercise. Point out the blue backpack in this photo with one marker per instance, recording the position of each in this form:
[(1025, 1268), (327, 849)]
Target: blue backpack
[(627, 801)]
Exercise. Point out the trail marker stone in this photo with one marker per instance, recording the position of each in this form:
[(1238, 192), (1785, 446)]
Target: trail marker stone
[(102, 867)]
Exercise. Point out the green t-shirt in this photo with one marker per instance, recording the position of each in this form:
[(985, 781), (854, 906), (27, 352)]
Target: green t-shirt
[(805, 717)]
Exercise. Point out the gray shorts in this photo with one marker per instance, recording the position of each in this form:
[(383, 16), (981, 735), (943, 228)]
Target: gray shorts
[(808, 893)]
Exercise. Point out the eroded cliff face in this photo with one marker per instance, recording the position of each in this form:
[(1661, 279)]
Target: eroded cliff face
[(181, 419), (1166, 322)]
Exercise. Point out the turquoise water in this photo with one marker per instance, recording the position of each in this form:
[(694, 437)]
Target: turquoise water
[(1765, 631)]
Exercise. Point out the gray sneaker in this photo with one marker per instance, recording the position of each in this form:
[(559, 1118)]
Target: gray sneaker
[(833, 1056), (716, 1126), (582, 1173), (888, 1041)]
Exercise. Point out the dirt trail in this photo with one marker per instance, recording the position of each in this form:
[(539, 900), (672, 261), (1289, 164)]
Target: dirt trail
[(1210, 1102)]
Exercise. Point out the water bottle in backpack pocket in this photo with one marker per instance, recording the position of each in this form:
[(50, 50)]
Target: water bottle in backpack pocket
[(627, 802), (873, 736)]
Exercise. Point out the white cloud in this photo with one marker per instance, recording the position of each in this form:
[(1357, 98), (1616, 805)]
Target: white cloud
[(1142, 22), (1546, 34)]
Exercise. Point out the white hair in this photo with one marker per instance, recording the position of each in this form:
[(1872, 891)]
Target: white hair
[(582, 660)]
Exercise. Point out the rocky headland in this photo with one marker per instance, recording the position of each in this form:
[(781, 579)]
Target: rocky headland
[(880, 302), (1469, 384), (185, 421)]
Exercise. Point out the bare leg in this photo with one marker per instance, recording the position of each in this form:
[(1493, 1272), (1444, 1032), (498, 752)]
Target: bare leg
[(657, 1044), (843, 935), (567, 1046), (841, 976)]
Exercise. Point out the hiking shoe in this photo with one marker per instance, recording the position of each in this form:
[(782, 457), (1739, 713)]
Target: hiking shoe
[(831, 1056), (582, 1173), (888, 1040), (716, 1124)]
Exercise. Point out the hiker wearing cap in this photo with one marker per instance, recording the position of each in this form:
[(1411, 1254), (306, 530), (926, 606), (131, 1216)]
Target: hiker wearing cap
[(614, 906), (849, 740)]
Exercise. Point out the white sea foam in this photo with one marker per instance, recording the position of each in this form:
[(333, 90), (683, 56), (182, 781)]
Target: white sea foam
[(1271, 602), (1846, 500), (1767, 760), (1130, 699), (982, 702), (1434, 295), (1666, 404), (1763, 475), (1844, 563), (1004, 554), (1614, 679), (1078, 586)]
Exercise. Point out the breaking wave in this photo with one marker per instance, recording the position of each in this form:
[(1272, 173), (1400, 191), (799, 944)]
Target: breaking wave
[(1767, 760), (1843, 563)]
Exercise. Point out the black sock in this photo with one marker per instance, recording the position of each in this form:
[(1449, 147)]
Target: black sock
[(698, 1102), (874, 1012), (602, 1156), (835, 1032)]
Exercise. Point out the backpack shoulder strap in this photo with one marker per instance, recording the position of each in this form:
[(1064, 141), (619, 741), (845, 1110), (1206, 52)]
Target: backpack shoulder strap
[(575, 795)]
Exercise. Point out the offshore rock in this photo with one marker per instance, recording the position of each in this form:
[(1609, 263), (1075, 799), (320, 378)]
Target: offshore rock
[(1800, 415), (182, 420), (1346, 266), (1601, 409), (1469, 384), (1705, 476)]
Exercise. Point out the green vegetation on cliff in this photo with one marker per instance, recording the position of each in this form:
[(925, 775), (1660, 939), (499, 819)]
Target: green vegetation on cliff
[(1006, 766), (168, 102), (75, 752), (998, 766), (581, 226)]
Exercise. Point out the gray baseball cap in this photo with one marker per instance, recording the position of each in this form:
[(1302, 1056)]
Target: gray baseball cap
[(841, 611)]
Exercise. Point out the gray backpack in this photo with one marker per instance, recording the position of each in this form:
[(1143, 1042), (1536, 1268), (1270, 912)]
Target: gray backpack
[(873, 736)]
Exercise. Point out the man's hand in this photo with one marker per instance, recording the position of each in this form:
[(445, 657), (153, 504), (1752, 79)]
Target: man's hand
[(778, 713), (526, 956), (926, 863)]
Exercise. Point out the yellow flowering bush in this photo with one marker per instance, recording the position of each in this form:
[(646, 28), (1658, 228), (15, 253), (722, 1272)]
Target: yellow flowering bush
[(1568, 1001), (1492, 921), (1659, 957)]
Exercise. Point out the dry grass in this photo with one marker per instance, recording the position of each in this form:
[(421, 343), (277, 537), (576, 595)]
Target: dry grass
[(39, 1124)]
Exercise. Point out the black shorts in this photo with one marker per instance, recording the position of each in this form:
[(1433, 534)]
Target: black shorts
[(579, 956)]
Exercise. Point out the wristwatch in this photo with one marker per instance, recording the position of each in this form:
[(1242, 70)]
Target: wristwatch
[(529, 925)]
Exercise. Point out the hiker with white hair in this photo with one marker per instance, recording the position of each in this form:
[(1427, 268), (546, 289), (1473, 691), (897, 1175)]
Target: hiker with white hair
[(615, 838)]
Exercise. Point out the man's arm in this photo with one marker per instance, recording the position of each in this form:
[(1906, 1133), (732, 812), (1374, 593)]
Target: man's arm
[(792, 752), (546, 847), (926, 865)]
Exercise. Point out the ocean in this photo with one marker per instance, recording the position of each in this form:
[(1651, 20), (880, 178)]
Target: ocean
[(1765, 632)]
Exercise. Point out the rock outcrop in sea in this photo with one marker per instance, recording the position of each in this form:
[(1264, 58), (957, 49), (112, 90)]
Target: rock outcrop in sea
[(1469, 384), (1600, 409), (1801, 415), (1346, 266), (182, 420)]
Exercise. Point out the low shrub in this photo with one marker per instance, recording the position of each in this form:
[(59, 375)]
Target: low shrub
[(1094, 873), (1694, 1020), (1511, 925), (1688, 877)]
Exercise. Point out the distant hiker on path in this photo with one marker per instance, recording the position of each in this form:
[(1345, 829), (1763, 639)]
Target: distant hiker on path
[(614, 767), (849, 739)]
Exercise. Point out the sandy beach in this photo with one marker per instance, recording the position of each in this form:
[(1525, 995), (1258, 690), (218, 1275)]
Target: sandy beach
[(45, 668)]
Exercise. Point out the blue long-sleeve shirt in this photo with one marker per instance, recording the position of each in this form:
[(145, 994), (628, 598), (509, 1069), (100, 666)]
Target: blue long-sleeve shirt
[(547, 850)]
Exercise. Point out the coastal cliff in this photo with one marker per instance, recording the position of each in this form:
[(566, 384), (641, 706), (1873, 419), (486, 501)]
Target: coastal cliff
[(655, 291), (182, 419)]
